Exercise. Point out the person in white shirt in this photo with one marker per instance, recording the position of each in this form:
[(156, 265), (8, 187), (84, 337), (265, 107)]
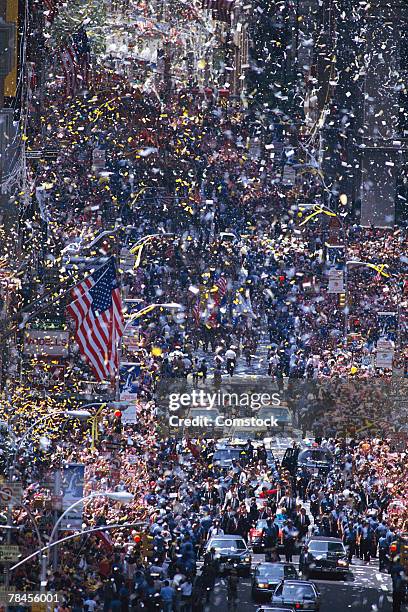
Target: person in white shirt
[(215, 530), (231, 359)]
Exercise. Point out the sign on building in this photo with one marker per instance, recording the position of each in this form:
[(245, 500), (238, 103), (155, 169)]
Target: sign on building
[(10, 493), (73, 491), (385, 354), (46, 343), (336, 281), (9, 553)]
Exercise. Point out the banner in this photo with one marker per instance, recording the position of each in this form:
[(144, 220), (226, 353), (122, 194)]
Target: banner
[(73, 490), (385, 354), (129, 381), (46, 343), (335, 255), (388, 324), (336, 281)]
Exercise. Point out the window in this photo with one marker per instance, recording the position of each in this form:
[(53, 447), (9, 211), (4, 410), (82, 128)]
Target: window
[(334, 547), (227, 454), (294, 592), (228, 544), (315, 455)]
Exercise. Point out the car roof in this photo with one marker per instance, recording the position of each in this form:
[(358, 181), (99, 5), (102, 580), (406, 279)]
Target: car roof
[(275, 609), (316, 448), (227, 537), (299, 582), (324, 539), (270, 564)]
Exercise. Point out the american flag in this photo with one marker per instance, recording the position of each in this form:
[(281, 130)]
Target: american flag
[(196, 311), (75, 59), (51, 11), (221, 9), (97, 312), (222, 285)]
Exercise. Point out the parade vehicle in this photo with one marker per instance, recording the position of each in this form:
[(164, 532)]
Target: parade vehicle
[(274, 609), (323, 554), (267, 576), (297, 595), (314, 460), (231, 552), (281, 414), (256, 536), (225, 456)]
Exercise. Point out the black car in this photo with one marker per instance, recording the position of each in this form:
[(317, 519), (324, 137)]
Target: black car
[(224, 457), (267, 576), (321, 554), (274, 609), (313, 460), (298, 595), (231, 551)]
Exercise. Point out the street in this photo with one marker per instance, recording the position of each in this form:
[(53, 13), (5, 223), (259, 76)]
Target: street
[(366, 590), (203, 305)]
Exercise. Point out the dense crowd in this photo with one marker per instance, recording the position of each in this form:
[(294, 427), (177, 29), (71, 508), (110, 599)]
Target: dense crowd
[(247, 277)]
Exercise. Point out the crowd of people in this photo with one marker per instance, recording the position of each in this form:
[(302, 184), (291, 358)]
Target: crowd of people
[(252, 283)]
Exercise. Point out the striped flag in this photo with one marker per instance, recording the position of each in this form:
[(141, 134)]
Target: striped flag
[(67, 57), (51, 11), (196, 312), (222, 284), (221, 9), (75, 59), (97, 312)]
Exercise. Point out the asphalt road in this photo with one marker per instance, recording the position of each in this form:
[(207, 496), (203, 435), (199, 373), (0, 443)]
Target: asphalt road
[(365, 590)]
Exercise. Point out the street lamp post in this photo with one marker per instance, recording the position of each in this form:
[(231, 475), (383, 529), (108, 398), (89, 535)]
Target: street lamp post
[(118, 496), (55, 543), (76, 414), (357, 262)]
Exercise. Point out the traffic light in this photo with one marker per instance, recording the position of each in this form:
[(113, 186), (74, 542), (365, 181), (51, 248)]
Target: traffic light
[(117, 424), (147, 545), (342, 300), (143, 544)]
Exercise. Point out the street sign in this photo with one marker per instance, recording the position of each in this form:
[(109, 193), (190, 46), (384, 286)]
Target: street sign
[(56, 501), (336, 281), (9, 553), (10, 493), (385, 354), (42, 154)]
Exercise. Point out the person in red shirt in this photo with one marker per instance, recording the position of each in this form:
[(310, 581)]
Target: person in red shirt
[(265, 493)]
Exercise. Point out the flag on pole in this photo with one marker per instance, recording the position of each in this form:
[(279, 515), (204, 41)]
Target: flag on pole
[(67, 58), (82, 49), (222, 285), (51, 10), (97, 312), (75, 57), (221, 9)]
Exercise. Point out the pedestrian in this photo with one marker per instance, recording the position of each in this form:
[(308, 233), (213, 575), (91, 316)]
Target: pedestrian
[(231, 358), (366, 536), (350, 540), (289, 534), (168, 595), (383, 548)]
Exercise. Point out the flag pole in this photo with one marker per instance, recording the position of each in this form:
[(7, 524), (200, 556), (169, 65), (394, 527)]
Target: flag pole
[(57, 299)]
